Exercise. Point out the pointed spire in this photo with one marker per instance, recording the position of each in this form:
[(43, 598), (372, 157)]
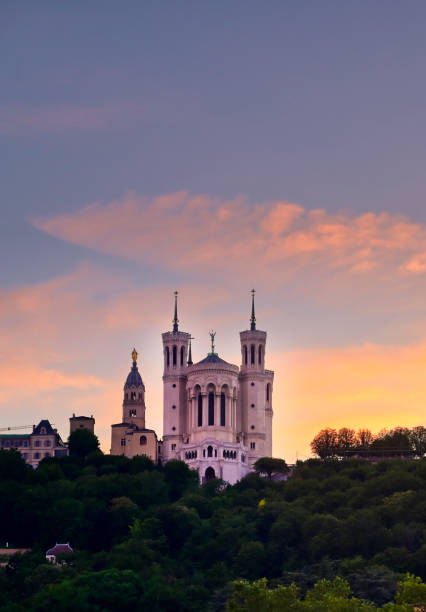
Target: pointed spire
[(175, 320), (190, 362), (253, 318)]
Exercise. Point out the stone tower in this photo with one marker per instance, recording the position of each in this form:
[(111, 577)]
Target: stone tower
[(175, 425), (255, 399)]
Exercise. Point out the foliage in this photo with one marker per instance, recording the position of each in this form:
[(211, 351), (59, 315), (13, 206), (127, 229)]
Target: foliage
[(269, 466), (82, 442), (152, 536)]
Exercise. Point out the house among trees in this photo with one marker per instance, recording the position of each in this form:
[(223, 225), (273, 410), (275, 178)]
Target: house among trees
[(59, 550)]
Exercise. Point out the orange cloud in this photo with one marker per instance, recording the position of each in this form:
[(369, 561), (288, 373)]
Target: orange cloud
[(199, 232)]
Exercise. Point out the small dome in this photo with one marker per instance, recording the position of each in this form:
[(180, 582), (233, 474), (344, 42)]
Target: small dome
[(134, 379), (212, 358)]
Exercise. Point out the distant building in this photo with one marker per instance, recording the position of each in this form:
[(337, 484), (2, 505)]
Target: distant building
[(130, 437), (58, 550), (82, 422), (44, 441)]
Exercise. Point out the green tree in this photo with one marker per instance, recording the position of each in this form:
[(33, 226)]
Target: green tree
[(82, 442), (269, 466)]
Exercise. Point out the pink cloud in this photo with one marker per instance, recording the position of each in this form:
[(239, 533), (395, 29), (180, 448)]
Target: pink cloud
[(198, 232)]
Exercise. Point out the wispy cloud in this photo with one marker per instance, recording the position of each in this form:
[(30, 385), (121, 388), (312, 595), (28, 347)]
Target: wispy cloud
[(200, 232), (70, 117)]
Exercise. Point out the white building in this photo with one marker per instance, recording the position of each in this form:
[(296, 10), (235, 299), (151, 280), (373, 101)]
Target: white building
[(217, 416)]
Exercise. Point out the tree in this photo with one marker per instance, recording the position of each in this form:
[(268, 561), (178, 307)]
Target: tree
[(82, 442), (364, 438), (417, 437), (12, 465), (346, 440), (325, 442), (269, 466)]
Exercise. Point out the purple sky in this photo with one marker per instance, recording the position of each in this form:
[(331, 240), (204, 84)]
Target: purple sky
[(113, 105)]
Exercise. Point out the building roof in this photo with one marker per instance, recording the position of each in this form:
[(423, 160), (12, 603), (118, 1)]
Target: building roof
[(213, 358), (134, 379), (81, 418), (48, 427), (15, 435), (60, 549)]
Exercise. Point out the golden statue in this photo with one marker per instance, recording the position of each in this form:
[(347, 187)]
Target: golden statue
[(134, 355)]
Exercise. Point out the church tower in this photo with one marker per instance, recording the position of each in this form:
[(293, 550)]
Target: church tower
[(134, 396), (175, 426), (255, 392)]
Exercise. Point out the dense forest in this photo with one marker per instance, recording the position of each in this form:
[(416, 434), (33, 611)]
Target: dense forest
[(146, 535)]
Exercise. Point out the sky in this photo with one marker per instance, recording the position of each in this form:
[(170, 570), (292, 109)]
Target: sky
[(213, 147)]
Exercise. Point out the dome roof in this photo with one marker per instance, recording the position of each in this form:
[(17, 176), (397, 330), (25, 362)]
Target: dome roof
[(134, 379), (212, 358)]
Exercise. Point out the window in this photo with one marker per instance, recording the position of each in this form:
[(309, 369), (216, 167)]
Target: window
[(37, 443), (243, 458), (174, 356), (204, 452), (252, 405), (222, 409), (200, 410), (173, 447), (132, 412), (245, 354), (47, 442), (133, 395), (167, 356), (43, 430), (210, 451), (25, 455), (211, 408), (140, 396), (47, 454), (174, 385), (25, 443), (252, 354), (252, 427), (173, 428), (182, 350), (268, 392), (252, 384), (36, 455), (260, 354), (174, 407), (142, 440), (252, 445), (123, 441)]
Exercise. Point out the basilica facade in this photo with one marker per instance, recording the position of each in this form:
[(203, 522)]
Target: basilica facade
[(217, 415)]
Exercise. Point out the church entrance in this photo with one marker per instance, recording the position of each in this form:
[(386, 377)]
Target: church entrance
[(210, 474)]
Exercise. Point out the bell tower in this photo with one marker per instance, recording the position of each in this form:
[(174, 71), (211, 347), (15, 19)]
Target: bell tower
[(134, 396), (255, 391), (175, 349)]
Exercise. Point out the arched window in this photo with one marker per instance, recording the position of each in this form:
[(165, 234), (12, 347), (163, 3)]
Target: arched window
[(211, 408), (200, 410), (268, 392), (245, 354), (260, 354), (142, 440), (181, 355), (252, 354), (167, 356), (222, 409), (140, 396), (174, 355), (210, 451)]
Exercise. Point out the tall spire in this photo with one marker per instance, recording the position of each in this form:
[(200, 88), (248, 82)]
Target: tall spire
[(190, 362), (175, 320), (212, 335), (253, 318)]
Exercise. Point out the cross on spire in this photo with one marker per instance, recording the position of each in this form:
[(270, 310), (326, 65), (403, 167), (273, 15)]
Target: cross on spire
[(253, 317), (175, 320)]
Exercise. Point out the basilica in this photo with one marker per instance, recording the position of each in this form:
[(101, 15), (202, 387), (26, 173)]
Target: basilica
[(217, 415)]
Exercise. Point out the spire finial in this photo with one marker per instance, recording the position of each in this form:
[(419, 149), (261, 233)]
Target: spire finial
[(212, 335), (175, 320), (253, 318), (134, 355), (189, 362)]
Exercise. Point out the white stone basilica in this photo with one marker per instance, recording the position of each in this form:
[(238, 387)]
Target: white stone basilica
[(217, 416)]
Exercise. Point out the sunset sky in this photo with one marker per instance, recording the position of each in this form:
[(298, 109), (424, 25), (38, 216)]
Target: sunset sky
[(212, 147)]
